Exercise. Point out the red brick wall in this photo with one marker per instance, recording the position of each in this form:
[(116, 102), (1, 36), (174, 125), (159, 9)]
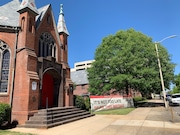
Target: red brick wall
[(48, 27), (81, 89), (24, 99), (9, 39), (64, 55)]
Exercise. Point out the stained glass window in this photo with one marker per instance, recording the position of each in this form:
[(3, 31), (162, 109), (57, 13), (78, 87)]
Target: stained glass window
[(4, 68)]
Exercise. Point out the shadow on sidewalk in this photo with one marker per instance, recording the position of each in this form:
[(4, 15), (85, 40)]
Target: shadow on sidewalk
[(159, 112), (149, 104)]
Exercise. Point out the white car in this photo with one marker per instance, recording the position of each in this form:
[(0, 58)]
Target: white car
[(174, 99)]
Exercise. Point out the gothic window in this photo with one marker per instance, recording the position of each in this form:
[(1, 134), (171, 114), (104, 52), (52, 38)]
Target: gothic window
[(47, 45), (4, 66)]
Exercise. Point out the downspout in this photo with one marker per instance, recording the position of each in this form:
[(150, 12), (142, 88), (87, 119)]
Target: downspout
[(14, 66)]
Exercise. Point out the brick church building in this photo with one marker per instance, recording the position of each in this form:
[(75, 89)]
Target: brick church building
[(34, 70)]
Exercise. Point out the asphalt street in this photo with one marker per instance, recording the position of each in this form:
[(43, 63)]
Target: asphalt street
[(176, 109)]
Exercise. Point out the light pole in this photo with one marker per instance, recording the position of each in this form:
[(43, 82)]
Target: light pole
[(160, 70)]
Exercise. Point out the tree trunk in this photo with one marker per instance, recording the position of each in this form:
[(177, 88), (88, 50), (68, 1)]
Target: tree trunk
[(127, 89)]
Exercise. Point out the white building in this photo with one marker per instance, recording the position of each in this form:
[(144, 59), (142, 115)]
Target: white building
[(82, 65)]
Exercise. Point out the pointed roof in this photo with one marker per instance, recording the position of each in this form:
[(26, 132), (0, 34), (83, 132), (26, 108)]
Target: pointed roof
[(28, 4), (61, 22)]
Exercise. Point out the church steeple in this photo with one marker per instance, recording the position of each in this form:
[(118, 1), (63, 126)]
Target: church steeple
[(29, 4), (61, 22)]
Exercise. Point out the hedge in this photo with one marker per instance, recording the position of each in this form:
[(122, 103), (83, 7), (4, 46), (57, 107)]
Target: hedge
[(82, 102), (137, 99), (5, 113)]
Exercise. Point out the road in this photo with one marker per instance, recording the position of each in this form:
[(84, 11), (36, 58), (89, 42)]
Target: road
[(176, 109)]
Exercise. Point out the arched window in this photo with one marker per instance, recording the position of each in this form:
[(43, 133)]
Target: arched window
[(22, 23), (4, 66), (47, 45)]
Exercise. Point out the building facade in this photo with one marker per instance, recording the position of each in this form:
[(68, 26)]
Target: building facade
[(33, 59), (83, 65), (80, 79)]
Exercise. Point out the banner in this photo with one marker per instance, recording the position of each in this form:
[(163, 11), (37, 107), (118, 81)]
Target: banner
[(110, 102)]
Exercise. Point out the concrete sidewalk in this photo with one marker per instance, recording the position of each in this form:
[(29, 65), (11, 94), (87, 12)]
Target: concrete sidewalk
[(141, 121)]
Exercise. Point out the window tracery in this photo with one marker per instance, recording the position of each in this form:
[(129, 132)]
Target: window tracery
[(47, 45), (4, 66)]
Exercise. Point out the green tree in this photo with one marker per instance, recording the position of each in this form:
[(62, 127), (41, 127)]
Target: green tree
[(127, 60), (176, 88)]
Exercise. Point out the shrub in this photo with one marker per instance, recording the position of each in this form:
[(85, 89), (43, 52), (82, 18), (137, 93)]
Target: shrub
[(83, 103), (5, 113), (87, 103), (137, 99), (79, 102)]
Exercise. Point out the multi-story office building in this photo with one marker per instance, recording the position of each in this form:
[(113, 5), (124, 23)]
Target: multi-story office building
[(82, 65)]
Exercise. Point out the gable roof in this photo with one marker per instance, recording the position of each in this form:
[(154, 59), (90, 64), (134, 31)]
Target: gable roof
[(41, 15), (10, 17), (79, 77)]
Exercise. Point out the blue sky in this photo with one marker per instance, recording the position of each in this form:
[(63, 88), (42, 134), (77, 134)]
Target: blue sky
[(88, 22)]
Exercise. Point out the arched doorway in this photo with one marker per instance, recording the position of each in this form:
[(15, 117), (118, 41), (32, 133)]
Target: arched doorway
[(50, 89), (47, 91)]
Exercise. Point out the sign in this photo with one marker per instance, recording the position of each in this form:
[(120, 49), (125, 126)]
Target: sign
[(110, 102), (34, 85)]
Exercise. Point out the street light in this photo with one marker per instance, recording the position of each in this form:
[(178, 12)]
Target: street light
[(159, 64)]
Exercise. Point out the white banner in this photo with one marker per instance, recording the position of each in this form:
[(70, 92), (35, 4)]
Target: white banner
[(110, 102)]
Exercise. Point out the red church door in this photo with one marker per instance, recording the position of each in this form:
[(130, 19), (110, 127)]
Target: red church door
[(47, 91)]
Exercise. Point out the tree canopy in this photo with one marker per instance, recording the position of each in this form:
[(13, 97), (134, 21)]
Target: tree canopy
[(176, 88), (127, 60)]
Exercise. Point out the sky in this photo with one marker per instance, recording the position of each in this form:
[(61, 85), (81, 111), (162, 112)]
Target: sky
[(88, 22)]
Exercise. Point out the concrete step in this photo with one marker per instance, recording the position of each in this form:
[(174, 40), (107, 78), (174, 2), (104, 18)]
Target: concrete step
[(57, 123), (52, 115), (55, 119), (47, 118), (56, 110)]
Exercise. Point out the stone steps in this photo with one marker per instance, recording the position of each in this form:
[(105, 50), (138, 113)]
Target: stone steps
[(47, 118)]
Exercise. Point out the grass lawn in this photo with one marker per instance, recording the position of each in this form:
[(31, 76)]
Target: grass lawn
[(5, 132), (121, 111)]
